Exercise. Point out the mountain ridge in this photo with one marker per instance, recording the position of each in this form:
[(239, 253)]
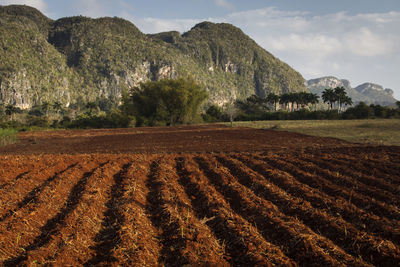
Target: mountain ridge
[(81, 59), (369, 93)]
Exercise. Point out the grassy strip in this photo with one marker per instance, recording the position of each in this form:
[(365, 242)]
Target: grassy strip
[(8, 136), (376, 131)]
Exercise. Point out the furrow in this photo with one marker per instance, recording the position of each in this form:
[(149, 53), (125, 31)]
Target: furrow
[(32, 196), (73, 244), (382, 171), (158, 207), (243, 243), (365, 184), (15, 191), (355, 242), (325, 185), (108, 238), (54, 224), (301, 244), (23, 226), (139, 244), (364, 221)]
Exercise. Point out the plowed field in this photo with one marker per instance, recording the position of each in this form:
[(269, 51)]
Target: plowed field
[(238, 197)]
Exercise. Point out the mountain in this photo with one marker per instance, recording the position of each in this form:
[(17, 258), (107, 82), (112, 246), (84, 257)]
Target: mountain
[(377, 93), (367, 92), (79, 59)]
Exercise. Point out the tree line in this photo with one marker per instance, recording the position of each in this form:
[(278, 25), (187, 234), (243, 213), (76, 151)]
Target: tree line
[(180, 101)]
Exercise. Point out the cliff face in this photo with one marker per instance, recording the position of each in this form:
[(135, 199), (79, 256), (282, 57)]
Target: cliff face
[(377, 93), (83, 58), (367, 92)]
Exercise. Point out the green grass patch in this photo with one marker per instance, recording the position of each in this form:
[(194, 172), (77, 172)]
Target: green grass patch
[(374, 131), (8, 136)]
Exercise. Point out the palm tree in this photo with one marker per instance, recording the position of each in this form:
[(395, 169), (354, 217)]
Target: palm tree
[(347, 101), (303, 98), (313, 99), (285, 99), (328, 95), (341, 96), (273, 99)]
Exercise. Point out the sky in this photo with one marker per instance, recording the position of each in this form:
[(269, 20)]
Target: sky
[(357, 40)]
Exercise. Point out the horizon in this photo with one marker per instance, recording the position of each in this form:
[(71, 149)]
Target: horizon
[(317, 38)]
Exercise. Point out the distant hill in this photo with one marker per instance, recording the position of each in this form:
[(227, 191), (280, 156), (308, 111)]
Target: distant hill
[(80, 59), (367, 92)]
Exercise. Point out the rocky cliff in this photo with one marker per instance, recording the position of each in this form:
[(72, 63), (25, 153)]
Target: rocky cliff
[(82, 58), (367, 92)]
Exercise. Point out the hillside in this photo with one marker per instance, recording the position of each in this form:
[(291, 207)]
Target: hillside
[(367, 92), (81, 59)]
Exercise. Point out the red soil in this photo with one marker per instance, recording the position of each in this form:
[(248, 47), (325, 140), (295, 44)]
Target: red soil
[(211, 195)]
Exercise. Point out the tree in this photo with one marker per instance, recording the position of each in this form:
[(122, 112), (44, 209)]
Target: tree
[(46, 106), (91, 106), (341, 97), (398, 105), (11, 110), (313, 99), (253, 105), (57, 107), (285, 99), (167, 101), (329, 96), (347, 101), (273, 99)]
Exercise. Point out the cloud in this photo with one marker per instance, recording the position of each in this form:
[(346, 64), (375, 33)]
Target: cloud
[(224, 3), (39, 4), (359, 47)]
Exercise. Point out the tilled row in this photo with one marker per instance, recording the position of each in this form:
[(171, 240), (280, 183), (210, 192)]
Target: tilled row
[(205, 209)]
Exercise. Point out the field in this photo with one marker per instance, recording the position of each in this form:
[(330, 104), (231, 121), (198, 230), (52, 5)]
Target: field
[(374, 131), (199, 195)]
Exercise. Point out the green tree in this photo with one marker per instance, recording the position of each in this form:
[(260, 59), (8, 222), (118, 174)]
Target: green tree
[(11, 110), (46, 106), (168, 101), (57, 107), (91, 106), (398, 105), (313, 100), (253, 105), (329, 96), (341, 97), (273, 99)]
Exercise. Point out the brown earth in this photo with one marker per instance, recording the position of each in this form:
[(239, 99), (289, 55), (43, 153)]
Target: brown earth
[(215, 138), (219, 197)]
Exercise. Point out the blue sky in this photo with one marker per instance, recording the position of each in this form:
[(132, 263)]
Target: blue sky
[(356, 40)]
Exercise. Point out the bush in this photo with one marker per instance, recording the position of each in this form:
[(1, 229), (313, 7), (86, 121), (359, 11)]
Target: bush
[(166, 102), (112, 120)]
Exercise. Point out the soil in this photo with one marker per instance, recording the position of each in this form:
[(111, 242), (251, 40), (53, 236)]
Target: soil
[(198, 195)]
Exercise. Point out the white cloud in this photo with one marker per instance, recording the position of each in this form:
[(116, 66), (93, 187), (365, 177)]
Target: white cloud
[(39, 4), (360, 47), (223, 3)]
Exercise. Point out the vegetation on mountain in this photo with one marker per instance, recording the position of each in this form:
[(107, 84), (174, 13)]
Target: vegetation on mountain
[(76, 60), (368, 92)]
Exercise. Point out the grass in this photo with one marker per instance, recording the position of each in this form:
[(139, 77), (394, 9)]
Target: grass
[(8, 136), (374, 131)]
